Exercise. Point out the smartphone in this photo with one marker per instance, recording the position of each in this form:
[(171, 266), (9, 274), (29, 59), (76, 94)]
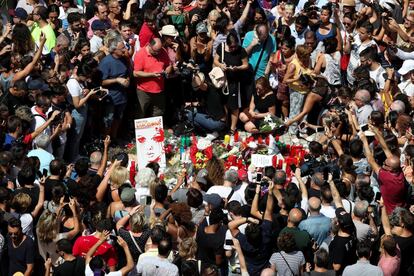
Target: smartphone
[(229, 242), (145, 200), (325, 173), (66, 198), (293, 167), (364, 127), (258, 177), (47, 255), (378, 196), (320, 129), (44, 173)]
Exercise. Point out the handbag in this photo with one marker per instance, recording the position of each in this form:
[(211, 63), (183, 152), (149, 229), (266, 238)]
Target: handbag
[(217, 76)]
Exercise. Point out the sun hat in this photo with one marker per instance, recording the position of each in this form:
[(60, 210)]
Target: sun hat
[(168, 30), (407, 67)]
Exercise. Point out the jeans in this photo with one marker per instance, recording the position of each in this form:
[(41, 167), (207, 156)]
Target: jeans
[(296, 102), (79, 121), (205, 121)]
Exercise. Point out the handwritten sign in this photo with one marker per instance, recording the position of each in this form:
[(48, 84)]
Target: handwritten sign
[(149, 134), (262, 160)]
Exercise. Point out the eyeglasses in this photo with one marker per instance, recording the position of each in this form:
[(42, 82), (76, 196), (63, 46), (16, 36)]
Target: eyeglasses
[(13, 234)]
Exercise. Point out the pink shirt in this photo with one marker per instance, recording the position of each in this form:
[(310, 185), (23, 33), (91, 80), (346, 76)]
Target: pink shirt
[(390, 265)]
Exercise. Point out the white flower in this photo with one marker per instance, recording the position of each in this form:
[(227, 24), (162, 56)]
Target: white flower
[(268, 118), (252, 145), (203, 143)]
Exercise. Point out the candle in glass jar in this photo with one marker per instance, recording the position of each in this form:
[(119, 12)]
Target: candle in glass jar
[(226, 139)]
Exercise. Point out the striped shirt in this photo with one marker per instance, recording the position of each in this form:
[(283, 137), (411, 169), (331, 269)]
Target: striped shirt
[(295, 259)]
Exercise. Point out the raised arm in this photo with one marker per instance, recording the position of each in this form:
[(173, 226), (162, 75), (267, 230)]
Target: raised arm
[(384, 219), (76, 225), (302, 185), (245, 13), (39, 205), (104, 160), (254, 211), (335, 194), (370, 157), (100, 193), (382, 142), (268, 215), (234, 224), (26, 71), (130, 261), (103, 237)]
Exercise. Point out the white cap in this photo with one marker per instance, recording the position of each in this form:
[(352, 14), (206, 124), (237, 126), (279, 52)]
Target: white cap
[(407, 66)]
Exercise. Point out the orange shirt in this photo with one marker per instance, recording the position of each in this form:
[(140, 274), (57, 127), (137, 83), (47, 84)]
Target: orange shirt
[(146, 62)]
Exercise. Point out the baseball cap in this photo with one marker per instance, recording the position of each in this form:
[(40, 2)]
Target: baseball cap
[(37, 84), (128, 194), (213, 199), (20, 13), (99, 25), (407, 67), (201, 176), (344, 219), (201, 28), (231, 176)]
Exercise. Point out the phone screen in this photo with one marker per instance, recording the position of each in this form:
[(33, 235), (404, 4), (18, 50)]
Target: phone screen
[(378, 196), (364, 127), (293, 167), (229, 242), (44, 173), (258, 177), (325, 173)]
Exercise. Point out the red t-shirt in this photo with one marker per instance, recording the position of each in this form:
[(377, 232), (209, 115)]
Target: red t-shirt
[(146, 34), (392, 187), (146, 62), (106, 251)]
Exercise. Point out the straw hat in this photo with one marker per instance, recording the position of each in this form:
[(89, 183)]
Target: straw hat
[(168, 30)]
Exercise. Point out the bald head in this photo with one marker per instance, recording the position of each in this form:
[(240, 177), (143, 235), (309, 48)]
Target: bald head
[(96, 157), (393, 163), (295, 216), (314, 204), (154, 46), (398, 106)]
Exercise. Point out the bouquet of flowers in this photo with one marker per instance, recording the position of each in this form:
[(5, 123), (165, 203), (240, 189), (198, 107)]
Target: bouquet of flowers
[(200, 153), (270, 123)]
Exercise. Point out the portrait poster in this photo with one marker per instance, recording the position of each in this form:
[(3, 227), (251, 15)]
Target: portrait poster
[(149, 134)]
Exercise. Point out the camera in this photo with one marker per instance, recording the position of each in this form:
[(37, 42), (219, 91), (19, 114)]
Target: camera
[(95, 145), (187, 70)]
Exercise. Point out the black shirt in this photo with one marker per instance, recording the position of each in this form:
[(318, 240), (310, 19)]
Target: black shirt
[(69, 268), (263, 105), (21, 256), (233, 58), (342, 250), (407, 257), (210, 245)]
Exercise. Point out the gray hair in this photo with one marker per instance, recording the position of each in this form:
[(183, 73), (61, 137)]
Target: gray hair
[(361, 208), (318, 179), (96, 157), (398, 106), (364, 95), (42, 141), (113, 43)]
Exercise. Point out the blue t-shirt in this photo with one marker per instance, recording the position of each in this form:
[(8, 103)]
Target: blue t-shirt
[(255, 54), (112, 68)]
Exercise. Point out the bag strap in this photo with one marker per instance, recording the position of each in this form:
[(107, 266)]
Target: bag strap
[(260, 57), (225, 89), (291, 270), (135, 242)]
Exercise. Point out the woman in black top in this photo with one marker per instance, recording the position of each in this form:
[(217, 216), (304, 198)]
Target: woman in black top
[(234, 62), (262, 104)]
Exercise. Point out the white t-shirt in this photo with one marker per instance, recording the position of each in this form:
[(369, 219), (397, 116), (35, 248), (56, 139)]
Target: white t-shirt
[(356, 48), (39, 120), (222, 191), (377, 76), (76, 90), (96, 43), (89, 272)]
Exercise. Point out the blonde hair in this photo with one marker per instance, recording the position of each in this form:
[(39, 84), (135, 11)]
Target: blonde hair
[(21, 202), (119, 176), (47, 227), (187, 248), (152, 185), (214, 13), (137, 222), (303, 51)]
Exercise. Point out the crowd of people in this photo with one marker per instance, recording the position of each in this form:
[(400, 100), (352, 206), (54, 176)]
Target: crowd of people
[(74, 75)]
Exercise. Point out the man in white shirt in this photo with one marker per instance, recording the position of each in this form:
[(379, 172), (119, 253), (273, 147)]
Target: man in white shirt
[(299, 29), (158, 265), (368, 58)]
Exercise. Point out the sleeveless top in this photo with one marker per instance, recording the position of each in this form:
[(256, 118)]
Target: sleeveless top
[(299, 70), (321, 37), (6, 82), (332, 70)]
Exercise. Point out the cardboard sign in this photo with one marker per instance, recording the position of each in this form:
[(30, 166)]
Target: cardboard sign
[(262, 160), (149, 134)]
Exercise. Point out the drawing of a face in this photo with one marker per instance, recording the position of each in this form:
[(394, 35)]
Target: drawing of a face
[(150, 145)]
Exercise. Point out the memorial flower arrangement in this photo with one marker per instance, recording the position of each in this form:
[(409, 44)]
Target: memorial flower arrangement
[(270, 123)]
